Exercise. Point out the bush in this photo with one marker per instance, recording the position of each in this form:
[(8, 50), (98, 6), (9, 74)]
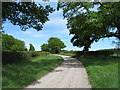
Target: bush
[(14, 57), (99, 53), (10, 43)]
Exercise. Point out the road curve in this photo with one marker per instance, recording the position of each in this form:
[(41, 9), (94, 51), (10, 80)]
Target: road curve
[(70, 74)]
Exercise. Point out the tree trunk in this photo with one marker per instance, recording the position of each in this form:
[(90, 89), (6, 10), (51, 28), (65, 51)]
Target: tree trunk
[(86, 48), (118, 32)]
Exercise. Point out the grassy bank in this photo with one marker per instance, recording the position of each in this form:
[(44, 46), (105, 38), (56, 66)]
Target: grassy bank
[(19, 75), (102, 70)]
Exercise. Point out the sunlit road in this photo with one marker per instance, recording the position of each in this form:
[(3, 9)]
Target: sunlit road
[(70, 74)]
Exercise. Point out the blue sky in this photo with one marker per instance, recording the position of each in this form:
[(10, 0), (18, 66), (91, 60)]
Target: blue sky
[(56, 27)]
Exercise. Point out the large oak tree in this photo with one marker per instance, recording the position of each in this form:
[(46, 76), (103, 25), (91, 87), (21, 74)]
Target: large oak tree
[(91, 21)]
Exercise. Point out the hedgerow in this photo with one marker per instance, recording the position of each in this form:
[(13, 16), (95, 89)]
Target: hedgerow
[(14, 57)]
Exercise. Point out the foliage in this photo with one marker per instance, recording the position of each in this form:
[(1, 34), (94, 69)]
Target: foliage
[(31, 48), (16, 57), (98, 53), (10, 43), (89, 22), (44, 47), (117, 43), (55, 45), (0, 42), (26, 14), (101, 53), (19, 75)]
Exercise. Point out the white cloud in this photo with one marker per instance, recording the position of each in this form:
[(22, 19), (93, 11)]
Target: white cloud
[(33, 33), (58, 12), (38, 35), (65, 31), (27, 32), (56, 21), (27, 45)]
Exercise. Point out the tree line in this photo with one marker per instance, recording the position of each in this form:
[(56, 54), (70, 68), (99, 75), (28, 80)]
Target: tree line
[(12, 44)]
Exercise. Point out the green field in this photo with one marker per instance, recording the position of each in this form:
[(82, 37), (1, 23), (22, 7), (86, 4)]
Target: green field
[(19, 75), (102, 70)]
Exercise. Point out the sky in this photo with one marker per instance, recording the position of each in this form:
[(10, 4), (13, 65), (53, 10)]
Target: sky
[(56, 27)]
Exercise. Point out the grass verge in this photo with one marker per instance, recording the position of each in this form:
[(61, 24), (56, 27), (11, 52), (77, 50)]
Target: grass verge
[(21, 74), (102, 71)]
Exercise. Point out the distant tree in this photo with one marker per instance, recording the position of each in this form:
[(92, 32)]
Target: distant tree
[(26, 49), (55, 45), (10, 43), (89, 25), (26, 14), (31, 48), (44, 47)]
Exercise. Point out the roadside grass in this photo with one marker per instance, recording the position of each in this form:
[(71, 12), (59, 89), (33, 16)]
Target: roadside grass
[(116, 55), (21, 74), (102, 71)]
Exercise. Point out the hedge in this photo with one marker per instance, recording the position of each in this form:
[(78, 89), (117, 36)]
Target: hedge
[(98, 53), (91, 53), (14, 57)]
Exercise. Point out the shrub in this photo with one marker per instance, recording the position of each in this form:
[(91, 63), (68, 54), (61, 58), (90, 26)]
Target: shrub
[(31, 48), (98, 53), (10, 43), (14, 57)]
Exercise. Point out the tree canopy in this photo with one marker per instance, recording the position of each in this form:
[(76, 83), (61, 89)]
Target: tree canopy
[(89, 22), (10, 43), (54, 45), (31, 48), (26, 14), (45, 47)]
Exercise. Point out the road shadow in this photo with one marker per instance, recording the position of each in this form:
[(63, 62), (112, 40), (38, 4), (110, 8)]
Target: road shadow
[(71, 63), (36, 82), (57, 70)]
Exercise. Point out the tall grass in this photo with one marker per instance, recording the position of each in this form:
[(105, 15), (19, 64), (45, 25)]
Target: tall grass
[(102, 71), (23, 73)]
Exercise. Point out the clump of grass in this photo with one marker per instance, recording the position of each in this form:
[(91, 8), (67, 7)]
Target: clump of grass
[(21, 74), (102, 71)]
